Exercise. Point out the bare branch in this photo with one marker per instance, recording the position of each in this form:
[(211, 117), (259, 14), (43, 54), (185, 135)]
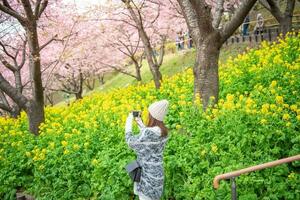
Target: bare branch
[(17, 97), (42, 8), (5, 50), (3, 98), (54, 38), (162, 51), (265, 4), (12, 13), (28, 10), (118, 69), (23, 55), (5, 107), (7, 64), (37, 8)]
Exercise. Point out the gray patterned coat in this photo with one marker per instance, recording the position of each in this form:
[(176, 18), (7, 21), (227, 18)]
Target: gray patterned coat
[(149, 146)]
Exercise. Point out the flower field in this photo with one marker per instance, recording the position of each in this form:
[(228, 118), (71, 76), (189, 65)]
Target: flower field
[(81, 152)]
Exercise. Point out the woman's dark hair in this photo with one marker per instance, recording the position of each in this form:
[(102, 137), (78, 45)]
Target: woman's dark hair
[(154, 122)]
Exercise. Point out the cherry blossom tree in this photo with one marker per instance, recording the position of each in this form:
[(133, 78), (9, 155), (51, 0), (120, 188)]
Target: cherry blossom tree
[(13, 59), (209, 38), (142, 15), (125, 43), (28, 13)]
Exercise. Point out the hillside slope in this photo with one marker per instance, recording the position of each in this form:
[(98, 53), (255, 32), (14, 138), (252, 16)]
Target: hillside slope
[(81, 152)]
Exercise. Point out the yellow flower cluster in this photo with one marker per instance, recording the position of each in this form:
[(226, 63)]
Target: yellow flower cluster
[(269, 93)]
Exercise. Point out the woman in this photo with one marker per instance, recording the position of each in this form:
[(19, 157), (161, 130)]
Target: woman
[(259, 27), (149, 146)]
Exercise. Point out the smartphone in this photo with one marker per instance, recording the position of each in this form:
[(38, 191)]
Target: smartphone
[(136, 113)]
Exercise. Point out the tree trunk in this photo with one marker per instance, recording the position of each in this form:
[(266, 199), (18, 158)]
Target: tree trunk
[(78, 94), (157, 77), (206, 77), (154, 67), (101, 79), (90, 83), (36, 111), (138, 74), (16, 111), (286, 24), (137, 70), (18, 80), (35, 114)]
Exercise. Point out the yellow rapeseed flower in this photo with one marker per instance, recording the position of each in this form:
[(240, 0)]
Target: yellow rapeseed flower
[(66, 151), (273, 107), (265, 108), (263, 121), (241, 97), (86, 144), (279, 99), (52, 145), (286, 116), (203, 152), (28, 154), (291, 175), (273, 91), (214, 148), (94, 162), (64, 143), (293, 108), (76, 146), (273, 84), (230, 97), (178, 126)]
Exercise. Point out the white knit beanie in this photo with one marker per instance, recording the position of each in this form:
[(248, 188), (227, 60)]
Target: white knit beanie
[(159, 109)]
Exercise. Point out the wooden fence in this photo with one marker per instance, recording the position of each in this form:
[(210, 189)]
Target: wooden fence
[(270, 33)]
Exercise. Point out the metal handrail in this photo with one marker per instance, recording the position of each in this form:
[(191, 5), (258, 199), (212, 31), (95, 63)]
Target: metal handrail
[(253, 168), (234, 174)]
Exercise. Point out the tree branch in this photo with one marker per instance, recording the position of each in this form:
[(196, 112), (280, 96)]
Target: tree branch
[(5, 51), (162, 51), (236, 20), (290, 5), (7, 65), (12, 13), (28, 10), (218, 14), (3, 98), (275, 10), (37, 8), (42, 8), (54, 38), (265, 4), (119, 70), (5, 107), (23, 55), (17, 97)]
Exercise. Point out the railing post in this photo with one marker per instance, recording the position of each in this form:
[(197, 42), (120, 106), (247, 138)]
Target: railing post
[(233, 189)]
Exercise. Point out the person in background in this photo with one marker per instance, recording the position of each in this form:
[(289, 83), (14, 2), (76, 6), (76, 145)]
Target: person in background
[(189, 40), (177, 42), (246, 25), (149, 146), (181, 38), (154, 50), (259, 27)]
